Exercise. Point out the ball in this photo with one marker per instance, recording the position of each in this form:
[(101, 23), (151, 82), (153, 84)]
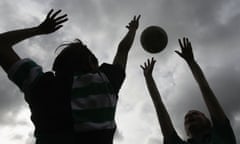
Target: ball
[(154, 39)]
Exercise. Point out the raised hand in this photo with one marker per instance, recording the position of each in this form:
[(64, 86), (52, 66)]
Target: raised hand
[(126, 43), (186, 49), (133, 24), (148, 67), (52, 22)]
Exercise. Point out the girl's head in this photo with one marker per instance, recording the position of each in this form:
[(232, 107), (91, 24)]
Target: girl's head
[(75, 57), (196, 123)]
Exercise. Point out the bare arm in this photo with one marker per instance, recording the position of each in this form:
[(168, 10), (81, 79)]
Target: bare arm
[(8, 39), (163, 116), (214, 108), (126, 43)]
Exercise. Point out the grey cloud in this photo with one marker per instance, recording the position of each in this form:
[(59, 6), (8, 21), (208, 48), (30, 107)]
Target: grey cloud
[(118, 136), (86, 13), (154, 141), (225, 83), (11, 101), (102, 23), (17, 137), (237, 131), (198, 19)]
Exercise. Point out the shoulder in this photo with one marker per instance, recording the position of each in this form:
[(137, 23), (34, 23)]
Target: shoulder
[(223, 131), (42, 88), (107, 65), (112, 68), (47, 77), (24, 73), (22, 65), (173, 139), (115, 74)]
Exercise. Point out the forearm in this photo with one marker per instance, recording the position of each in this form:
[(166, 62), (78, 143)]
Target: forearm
[(12, 37), (162, 114), (123, 49), (127, 41), (210, 99), (8, 58), (7, 54)]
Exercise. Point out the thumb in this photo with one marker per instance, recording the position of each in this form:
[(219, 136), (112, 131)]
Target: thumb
[(180, 54)]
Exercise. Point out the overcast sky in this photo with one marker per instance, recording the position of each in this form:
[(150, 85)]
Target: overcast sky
[(212, 26)]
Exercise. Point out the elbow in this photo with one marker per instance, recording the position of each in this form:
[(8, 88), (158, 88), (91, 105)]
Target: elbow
[(4, 41), (123, 48)]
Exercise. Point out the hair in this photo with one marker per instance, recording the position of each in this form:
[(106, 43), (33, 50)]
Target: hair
[(74, 57), (207, 120)]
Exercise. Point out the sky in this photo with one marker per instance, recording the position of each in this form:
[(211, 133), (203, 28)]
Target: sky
[(213, 27)]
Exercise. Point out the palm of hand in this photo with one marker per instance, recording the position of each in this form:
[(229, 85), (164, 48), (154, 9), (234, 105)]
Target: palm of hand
[(134, 23), (148, 67), (52, 22), (186, 49)]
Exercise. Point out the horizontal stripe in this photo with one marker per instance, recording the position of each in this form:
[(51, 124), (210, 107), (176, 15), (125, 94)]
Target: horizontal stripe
[(34, 74), (84, 80), (88, 126), (93, 115), (23, 72), (12, 70), (94, 101), (92, 89)]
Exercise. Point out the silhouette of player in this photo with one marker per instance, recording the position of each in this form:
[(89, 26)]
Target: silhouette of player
[(199, 128), (50, 111), (95, 88), (76, 102)]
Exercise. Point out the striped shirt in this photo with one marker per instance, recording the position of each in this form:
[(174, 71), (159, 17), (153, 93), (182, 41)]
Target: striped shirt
[(24, 74), (94, 101), (94, 95), (48, 98)]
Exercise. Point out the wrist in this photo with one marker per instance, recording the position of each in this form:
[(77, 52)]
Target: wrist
[(148, 76), (191, 61), (132, 29), (38, 30)]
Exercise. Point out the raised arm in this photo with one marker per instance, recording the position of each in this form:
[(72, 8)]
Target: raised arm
[(126, 43), (214, 108), (8, 56), (162, 114)]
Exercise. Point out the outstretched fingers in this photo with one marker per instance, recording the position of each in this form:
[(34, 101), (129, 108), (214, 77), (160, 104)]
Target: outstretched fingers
[(139, 16), (133, 24), (143, 66), (179, 53), (152, 63), (136, 19), (49, 13), (61, 19), (181, 47), (52, 22), (148, 66), (54, 18), (186, 43), (180, 43), (186, 49), (55, 14), (57, 27)]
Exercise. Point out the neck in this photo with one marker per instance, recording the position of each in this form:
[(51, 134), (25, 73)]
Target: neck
[(63, 73), (201, 136)]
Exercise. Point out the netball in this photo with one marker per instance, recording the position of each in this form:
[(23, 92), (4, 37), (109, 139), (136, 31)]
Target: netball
[(154, 39)]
